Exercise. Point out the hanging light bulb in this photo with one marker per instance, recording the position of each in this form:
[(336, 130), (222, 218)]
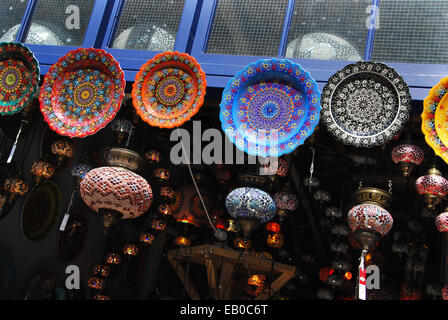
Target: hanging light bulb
[(407, 156), (432, 186)]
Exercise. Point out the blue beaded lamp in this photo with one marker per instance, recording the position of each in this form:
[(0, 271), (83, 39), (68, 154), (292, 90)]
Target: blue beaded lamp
[(270, 107), (79, 171), (250, 207)]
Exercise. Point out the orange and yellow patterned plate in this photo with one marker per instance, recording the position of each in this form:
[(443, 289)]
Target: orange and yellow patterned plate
[(429, 121), (169, 89)]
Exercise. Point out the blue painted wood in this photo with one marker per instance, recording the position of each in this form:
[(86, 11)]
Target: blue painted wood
[(26, 21), (134, 59), (286, 26), (371, 30)]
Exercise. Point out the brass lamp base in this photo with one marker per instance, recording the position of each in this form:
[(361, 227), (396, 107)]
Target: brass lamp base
[(407, 168), (109, 217), (431, 201), (367, 239), (247, 226)]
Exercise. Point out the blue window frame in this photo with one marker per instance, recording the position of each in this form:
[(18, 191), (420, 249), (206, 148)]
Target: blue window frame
[(132, 59), (49, 54), (220, 67)]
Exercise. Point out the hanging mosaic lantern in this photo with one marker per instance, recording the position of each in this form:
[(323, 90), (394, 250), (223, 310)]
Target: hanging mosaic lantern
[(442, 221), (147, 238), (167, 192), (115, 193), (153, 156), (433, 187), (250, 206), (242, 244), (63, 149), (445, 292), (15, 187), (273, 227), (100, 270), (162, 174), (407, 156), (78, 172), (164, 209), (42, 170), (96, 283), (131, 250), (369, 220), (275, 240), (255, 284), (113, 258), (100, 297), (121, 127), (182, 241), (286, 202)]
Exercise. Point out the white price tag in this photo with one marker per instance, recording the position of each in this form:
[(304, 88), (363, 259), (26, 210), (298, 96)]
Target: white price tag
[(64, 222)]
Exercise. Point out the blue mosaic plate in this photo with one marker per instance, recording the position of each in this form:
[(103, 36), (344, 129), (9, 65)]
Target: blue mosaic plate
[(270, 107)]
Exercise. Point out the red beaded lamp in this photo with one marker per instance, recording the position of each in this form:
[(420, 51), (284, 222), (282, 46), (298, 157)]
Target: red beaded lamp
[(407, 156), (432, 186)]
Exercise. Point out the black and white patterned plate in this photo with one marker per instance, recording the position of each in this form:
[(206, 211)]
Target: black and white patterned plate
[(365, 104)]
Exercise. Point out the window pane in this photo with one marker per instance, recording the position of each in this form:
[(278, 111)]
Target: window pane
[(11, 14), (328, 30), (251, 28), (148, 25), (412, 31), (60, 22)]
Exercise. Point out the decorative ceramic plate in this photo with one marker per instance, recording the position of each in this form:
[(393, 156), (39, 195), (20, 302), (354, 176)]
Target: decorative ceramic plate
[(169, 89), (19, 77), (270, 107), (82, 92), (365, 104), (432, 126), (41, 210)]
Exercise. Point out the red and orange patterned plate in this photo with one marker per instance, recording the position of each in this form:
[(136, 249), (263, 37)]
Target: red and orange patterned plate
[(169, 89), (82, 92)]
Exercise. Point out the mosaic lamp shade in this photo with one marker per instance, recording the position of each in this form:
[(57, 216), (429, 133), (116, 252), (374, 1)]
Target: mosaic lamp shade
[(116, 193), (121, 127), (285, 201), (79, 171), (15, 187), (250, 206), (370, 218), (41, 169), (441, 221), (408, 156), (63, 149), (433, 187)]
